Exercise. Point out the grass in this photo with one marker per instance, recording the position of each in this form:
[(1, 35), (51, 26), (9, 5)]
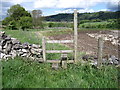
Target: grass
[(24, 36), (58, 24), (98, 25), (29, 74), (24, 73), (56, 32), (0, 75), (50, 29)]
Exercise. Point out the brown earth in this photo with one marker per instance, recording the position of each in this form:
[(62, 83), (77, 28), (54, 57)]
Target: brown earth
[(88, 44)]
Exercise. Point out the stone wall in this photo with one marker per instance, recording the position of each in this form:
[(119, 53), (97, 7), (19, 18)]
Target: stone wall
[(11, 47)]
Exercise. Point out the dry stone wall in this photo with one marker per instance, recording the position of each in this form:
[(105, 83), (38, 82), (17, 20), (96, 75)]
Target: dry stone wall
[(11, 47), (112, 36)]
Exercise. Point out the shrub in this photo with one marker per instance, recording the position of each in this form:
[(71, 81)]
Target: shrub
[(50, 24)]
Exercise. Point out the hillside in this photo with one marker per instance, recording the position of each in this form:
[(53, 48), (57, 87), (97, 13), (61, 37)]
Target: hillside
[(84, 16)]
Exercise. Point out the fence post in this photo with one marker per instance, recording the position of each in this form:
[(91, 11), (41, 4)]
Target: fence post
[(44, 48), (100, 49), (75, 35), (64, 59)]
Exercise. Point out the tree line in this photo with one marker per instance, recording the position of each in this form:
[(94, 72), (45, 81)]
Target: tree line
[(90, 20), (100, 16), (19, 18)]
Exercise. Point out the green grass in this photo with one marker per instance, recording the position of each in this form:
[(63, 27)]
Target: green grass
[(58, 24), (24, 36), (99, 25), (50, 29), (24, 73), (20, 73), (0, 75), (56, 32)]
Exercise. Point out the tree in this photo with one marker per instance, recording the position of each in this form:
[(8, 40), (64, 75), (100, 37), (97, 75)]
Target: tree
[(37, 18), (25, 22), (14, 16), (12, 25), (7, 20), (17, 11)]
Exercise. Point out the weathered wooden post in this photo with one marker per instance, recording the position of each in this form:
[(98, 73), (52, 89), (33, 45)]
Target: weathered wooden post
[(64, 59), (100, 49), (75, 35), (44, 48)]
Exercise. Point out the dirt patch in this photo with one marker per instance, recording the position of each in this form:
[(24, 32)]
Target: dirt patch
[(88, 44)]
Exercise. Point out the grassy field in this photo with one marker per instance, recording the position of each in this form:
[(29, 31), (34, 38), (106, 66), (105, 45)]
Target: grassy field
[(58, 24), (98, 25), (24, 73), (20, 73)]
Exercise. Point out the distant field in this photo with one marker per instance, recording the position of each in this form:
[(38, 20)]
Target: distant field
[(99, 25), (88, 25)]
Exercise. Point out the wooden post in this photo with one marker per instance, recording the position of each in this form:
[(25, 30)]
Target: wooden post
[(64, 64), (44, 48), (100, 49), (75, 35), (64, 59)]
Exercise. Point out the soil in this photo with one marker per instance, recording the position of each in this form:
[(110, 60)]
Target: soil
[(88, 44)]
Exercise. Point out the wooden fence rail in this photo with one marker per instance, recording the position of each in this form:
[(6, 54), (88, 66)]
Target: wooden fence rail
[(59, 41), (59, 51), (44, 42)]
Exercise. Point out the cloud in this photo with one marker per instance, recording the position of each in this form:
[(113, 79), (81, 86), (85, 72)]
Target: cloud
[(114, 6), (17, 1), (65, 11), (8, 3), (86, 10), (27, 5), (5, 6), (102, 10), (72, 10), (45, 3), (63, 3), (69, 3)]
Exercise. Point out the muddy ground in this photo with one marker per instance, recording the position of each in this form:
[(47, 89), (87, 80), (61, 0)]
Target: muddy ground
[(88, 44)]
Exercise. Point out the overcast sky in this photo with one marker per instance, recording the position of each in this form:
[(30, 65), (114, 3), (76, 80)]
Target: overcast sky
[(51, 7)]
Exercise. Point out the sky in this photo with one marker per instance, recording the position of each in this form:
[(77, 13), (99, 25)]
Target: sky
[(52, 7)]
